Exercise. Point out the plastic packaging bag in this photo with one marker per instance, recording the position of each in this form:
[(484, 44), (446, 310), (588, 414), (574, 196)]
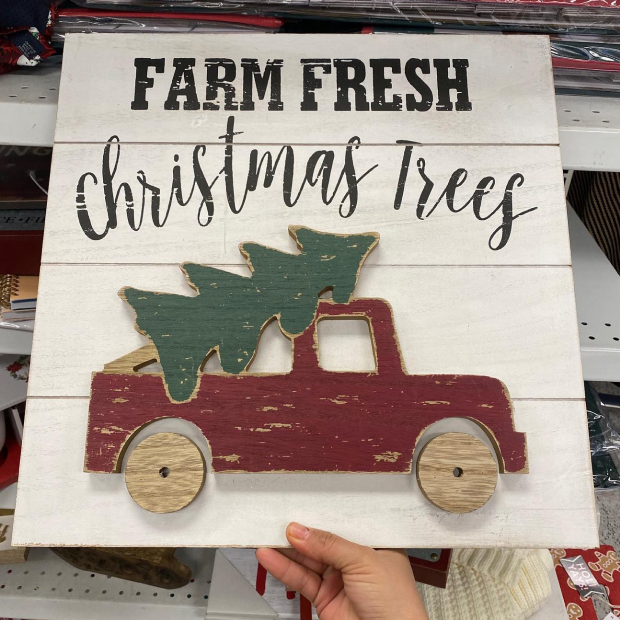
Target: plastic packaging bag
[(86, 21), (604, 443), (531, 15)]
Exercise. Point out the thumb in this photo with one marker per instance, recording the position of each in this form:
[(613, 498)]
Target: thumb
[(327, 548)]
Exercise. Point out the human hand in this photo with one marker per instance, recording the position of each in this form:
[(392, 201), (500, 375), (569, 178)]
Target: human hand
[(345, 581)]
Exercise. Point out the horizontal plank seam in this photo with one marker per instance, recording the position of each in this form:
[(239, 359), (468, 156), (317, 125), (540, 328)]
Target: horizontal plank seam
[(414, 543), (513, 399), (243, 264), (588, 349), (238, 143)]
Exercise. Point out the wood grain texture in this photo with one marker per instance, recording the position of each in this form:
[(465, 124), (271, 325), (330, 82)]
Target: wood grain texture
[(309, 420), (134, 361), (441, 237), (515, 106), (456, 472), (165, 473), (465, 321), (152, 566), (254, 509)]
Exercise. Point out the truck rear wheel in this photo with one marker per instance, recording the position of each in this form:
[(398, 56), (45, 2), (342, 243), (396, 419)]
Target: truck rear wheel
[(456, 472), (165, 473)]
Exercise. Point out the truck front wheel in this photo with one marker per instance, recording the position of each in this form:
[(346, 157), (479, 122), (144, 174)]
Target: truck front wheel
[(456, 472), (165, 472)]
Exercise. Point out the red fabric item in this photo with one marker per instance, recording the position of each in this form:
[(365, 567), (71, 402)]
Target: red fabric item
[(590, 65), (9, 460), (9, 55), (21, 251), (604, 564), (261, 579), (26, 45), (305, 608)]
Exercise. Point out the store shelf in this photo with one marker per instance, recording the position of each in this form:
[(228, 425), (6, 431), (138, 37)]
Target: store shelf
[(47, 587), (597, 292), (589, 132), (17, 341), (589, 126), (28, 104)]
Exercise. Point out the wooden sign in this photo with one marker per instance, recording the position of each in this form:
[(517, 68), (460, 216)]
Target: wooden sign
[(315, 278)]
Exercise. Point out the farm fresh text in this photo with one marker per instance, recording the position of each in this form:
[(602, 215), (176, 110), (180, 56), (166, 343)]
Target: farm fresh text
[(348, 83)]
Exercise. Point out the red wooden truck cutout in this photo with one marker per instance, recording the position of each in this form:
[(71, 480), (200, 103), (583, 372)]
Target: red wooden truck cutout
[(312, 420)]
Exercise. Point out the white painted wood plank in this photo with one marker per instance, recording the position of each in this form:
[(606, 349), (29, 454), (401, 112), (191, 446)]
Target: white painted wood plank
[(517, 324), (552, 506), (538, 237), (509, 85)]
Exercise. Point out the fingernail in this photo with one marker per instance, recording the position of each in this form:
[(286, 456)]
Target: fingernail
[(295, 530)]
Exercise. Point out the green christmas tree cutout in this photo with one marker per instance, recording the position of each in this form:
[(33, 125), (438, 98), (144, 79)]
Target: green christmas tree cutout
[(230, 311)]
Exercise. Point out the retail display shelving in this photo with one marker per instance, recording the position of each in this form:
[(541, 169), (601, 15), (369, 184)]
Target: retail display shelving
[(47, 587), (28, 104), (597, 292), (589, 132)]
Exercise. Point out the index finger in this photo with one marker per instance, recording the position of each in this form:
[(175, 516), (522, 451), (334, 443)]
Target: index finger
[(291, 574)]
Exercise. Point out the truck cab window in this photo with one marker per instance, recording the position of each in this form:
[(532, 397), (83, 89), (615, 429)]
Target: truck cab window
[(346, 345)]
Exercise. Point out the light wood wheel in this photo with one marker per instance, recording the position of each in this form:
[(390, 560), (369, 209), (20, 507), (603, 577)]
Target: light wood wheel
[(456, 472), (165, 472)]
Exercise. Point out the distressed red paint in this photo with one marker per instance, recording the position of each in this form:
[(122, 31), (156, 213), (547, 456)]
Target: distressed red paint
[(310, 419)]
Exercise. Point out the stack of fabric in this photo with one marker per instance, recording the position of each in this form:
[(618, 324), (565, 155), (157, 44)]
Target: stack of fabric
[(522, 15), (586, 64), (487, 584), (515, 15)]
